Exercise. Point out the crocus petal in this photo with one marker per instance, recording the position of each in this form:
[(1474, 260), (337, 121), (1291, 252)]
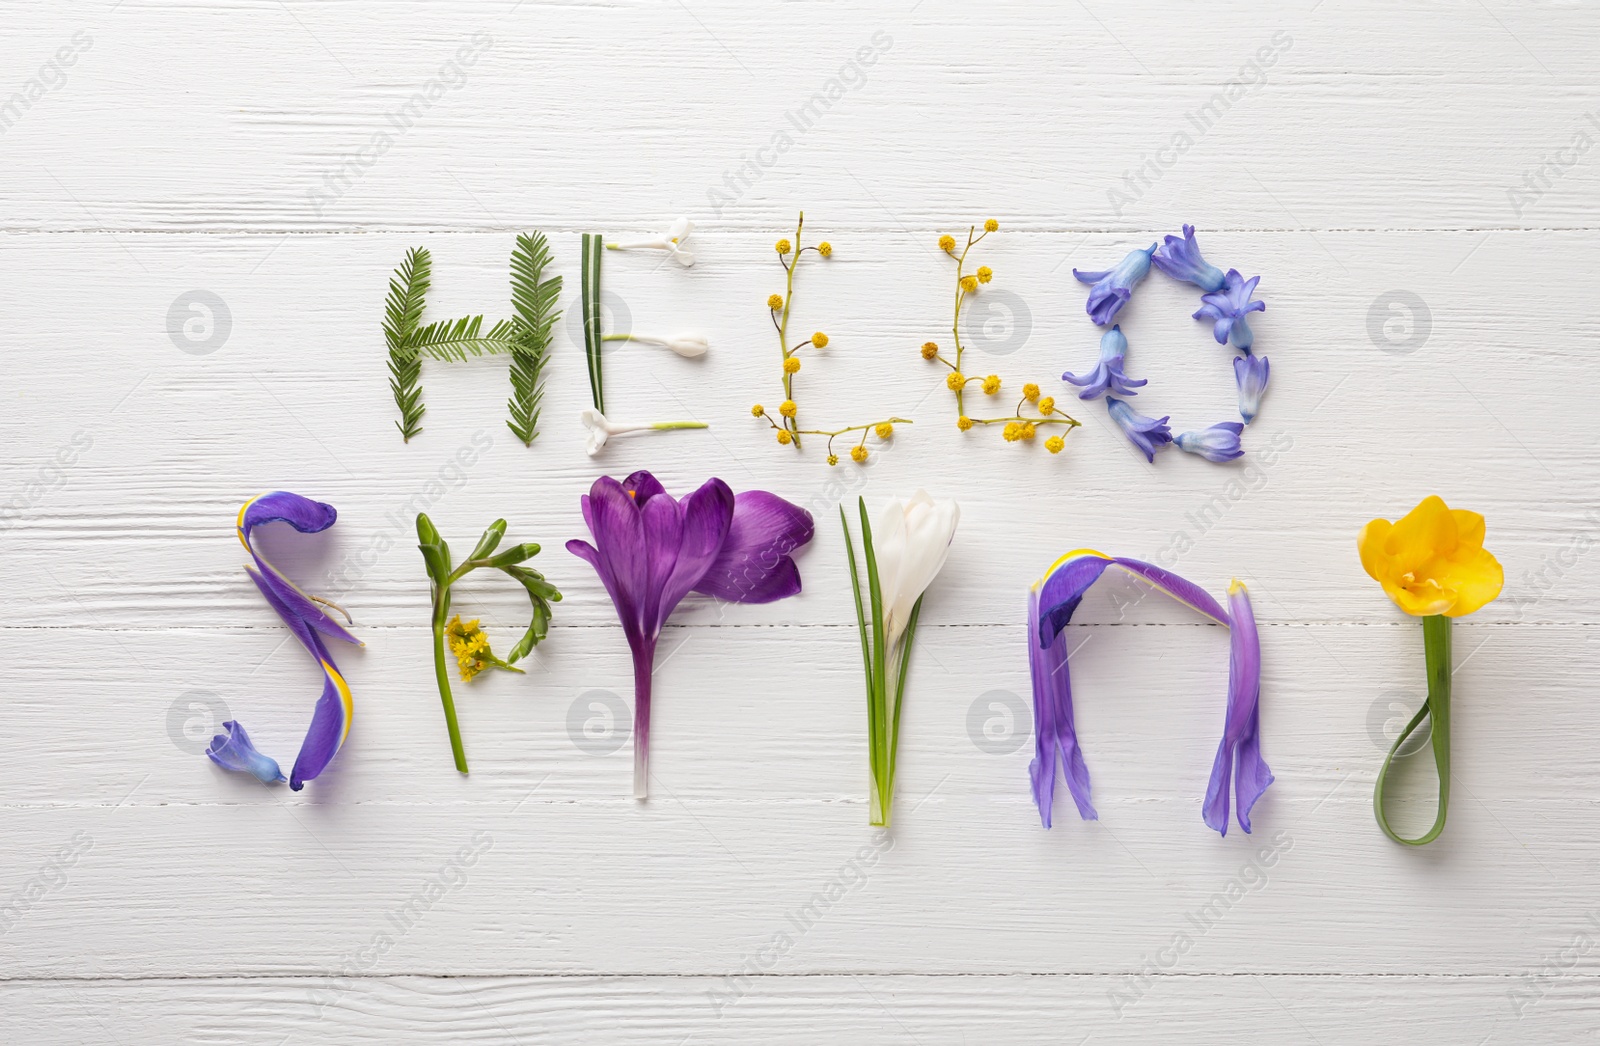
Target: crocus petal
[(233, 751), (599, 430), (1217, 443), (1054, 732), (754, 565), (910, 543), (707, 514), (642, 486), (622, 555)]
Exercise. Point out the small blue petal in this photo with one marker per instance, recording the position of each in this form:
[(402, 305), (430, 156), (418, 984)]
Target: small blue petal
[(1146, 433), (1108, 375), (1251, 373), (1217, 443), (233, 751), (1228, 307), (1181, 260), (1112, 288)]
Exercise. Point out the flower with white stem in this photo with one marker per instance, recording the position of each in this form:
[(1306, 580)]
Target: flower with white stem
[(601, 429), (910, 544), (671, 242), (688, 344)]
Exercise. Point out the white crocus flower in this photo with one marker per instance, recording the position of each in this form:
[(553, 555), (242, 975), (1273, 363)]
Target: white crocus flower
[(690, 344), (671, 242), (910, 542), (601, 430)]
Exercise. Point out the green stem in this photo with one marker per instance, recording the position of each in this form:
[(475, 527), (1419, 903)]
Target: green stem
[(665, 425), (1436, 644), (441, 670)]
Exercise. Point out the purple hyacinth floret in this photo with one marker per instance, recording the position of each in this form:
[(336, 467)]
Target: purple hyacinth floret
[(1181, 260), (1148, 434), (1110, 289), (1217, 443), (1108, 375), (233, 751), (1251, 373), (1227, 308)]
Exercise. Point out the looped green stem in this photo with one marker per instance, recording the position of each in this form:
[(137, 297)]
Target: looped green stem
[(1436, 642)]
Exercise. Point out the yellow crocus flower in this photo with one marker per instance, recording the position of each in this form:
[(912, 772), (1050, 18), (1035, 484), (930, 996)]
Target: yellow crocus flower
[(1432, 561)]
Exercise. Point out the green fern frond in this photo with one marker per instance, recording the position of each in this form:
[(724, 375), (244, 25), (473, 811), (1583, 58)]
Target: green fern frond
[(535, 301), (402, 314), (457, 340)]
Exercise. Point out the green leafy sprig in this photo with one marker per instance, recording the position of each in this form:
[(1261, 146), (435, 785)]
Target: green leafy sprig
[(534, 298), (402, 314), (442, 575)]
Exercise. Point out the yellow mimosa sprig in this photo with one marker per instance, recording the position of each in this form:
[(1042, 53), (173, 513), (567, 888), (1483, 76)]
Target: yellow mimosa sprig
[(1018, 427), (787, 426)]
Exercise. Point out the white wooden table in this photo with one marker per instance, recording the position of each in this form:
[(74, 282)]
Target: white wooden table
[(1414, 183)]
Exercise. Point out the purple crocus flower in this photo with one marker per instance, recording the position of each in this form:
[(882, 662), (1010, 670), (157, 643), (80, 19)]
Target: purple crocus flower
[(1146, 433), (1108, 375), (1251, 373), (1052, 602), (652, 550), (330, 719), (233, 751), (1228, 307), (1217, 443), (1110, 290), (1181, 260)]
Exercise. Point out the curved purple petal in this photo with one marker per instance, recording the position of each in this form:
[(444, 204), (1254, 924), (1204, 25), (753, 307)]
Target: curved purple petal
[(707, 515), (643, 486), (1181, 589), (1063, 590), (1055, 735), (754, 565), (623, 556), (330, 724), (308, 517)]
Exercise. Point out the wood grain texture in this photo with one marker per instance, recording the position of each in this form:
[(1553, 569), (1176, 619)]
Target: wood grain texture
[(1362, 156)]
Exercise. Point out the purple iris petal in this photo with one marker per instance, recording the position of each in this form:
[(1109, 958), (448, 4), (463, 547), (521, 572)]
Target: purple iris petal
[(1146, 433), (1251, 373), (1181, 260), (1110, 289), (1108, 375), (754, 565), (651, 550), (1241, 736), (233, 751), (1218, 443), (1051, 605), (308, 517), (1054, 733), (1228, 308)]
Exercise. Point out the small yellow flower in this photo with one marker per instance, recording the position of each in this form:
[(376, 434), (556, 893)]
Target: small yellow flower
[(929, 350), (884, 430), (947, 244), (758, 411), (1054, 444), (819, 340), (1047, 406), (990, 225), (1432, 560), (783, 246), (774, 302), (963, 423), (858, 454), (833, 459), (969, 283), (991, 384), (1012, 432), (787, 408), (1028, 431), (1030, 392), (954, 381), (784, 438), (791, 365), (825, 248), (985, 274)]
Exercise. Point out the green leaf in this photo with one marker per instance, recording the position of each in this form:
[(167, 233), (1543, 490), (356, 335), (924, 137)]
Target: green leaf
[(402, 313), (455, 341), (535, 301), (515, 554), (540, 594), (593, 246), (490, 540)]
